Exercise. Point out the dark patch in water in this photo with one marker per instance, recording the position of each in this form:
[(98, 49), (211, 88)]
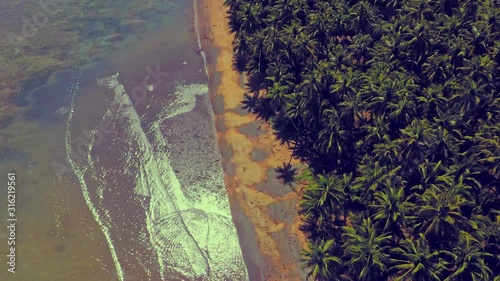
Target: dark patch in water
[(100, 27), (22, 100), (49, 103), (47, 100), (59, 248), (8, 154), (6, 120)]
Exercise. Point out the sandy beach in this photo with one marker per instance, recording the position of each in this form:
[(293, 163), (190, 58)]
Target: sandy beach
[(264, 210)]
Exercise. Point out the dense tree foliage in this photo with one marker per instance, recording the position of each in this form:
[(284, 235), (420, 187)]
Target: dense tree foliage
[(395, 107)]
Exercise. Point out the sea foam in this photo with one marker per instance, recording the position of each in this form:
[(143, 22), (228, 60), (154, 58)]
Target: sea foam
[(188, 228)]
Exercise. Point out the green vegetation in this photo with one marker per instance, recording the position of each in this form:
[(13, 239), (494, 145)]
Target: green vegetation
[(395, 107)]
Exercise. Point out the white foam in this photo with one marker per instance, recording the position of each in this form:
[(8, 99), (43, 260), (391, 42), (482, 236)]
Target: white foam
[(80, 173), (185, 100), (193, 237)]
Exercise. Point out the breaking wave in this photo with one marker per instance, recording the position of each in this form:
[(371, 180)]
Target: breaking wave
[(159, 223)]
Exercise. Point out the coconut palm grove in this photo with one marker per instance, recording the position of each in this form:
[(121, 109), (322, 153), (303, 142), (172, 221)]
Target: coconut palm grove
[(394, 107)]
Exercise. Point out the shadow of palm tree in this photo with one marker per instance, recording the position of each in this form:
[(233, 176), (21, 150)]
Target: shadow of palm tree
[(286, 173)]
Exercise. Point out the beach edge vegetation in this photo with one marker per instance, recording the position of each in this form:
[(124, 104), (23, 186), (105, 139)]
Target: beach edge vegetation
[(395, 107)]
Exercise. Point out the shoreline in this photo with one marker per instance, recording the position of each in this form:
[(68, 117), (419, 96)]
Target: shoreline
[(264, 211)]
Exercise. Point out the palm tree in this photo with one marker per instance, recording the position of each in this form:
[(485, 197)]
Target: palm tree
[(360, 48), (470, 98), (351, 111), (352, 202), (459, 51), (366, 251), (439, 215), (321, 262), (280, 73), (387, 153), (416, 43), (430, 100), (325, 195), (419, 10), (313, 81), (273, 41), (345, 85), (414, 260), (389, 210), (362, 17), (248, 17), (489, 236), (376, 130), (374, 177), (480, 68), (304, 45), (278, 94), (257, 65), (428, 176), (437, 68), (338, 58), (414, 142), (320, 26), (379, 92), (289, 10), (331, 140), (468, 260), (401, 110)]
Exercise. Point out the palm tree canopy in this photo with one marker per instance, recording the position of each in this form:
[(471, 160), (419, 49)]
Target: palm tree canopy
[(394, 107)]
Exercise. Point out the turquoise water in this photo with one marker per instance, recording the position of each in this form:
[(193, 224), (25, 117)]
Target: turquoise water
[(113, 142)]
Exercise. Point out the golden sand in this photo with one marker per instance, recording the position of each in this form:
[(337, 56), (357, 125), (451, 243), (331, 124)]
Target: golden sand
[(279, 253)]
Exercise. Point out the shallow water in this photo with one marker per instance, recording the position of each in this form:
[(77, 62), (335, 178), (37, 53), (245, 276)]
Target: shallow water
[(119, 174)]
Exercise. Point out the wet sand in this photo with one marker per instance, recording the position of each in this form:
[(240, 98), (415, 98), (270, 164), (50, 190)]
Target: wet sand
[(264, 211)]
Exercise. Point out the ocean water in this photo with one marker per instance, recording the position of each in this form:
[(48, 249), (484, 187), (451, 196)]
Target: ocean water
[(119, 174)]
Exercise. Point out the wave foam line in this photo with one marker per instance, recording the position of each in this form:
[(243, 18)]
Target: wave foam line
[(198, 38), (80, 175), (198, 243), (166, 199), (192, 238)]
